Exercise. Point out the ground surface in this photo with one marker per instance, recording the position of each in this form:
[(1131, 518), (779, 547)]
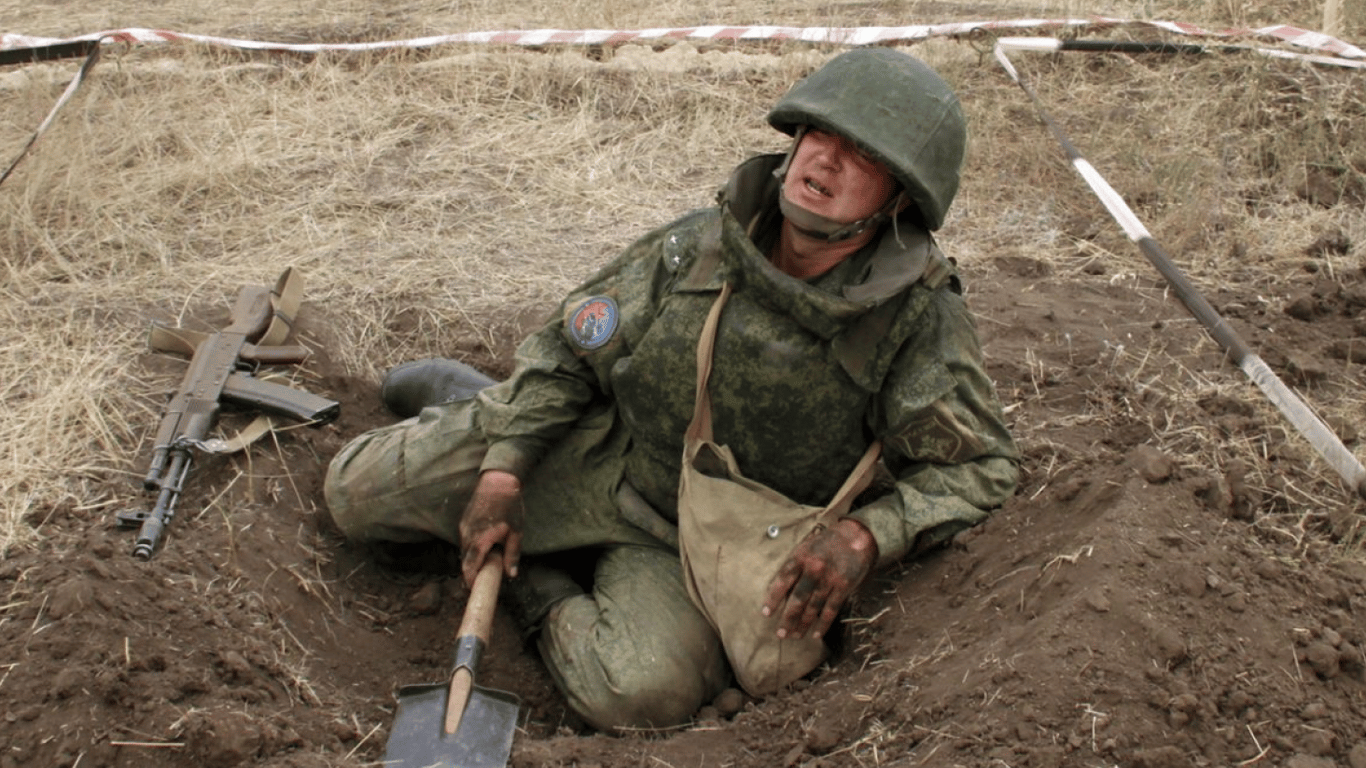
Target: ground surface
[(1127, 607), (1178, 582)]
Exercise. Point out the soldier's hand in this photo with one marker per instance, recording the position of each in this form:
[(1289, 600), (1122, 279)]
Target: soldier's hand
[(493, 517), (822, 573)]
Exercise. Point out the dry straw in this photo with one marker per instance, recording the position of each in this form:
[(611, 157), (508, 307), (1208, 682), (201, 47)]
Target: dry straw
[(463, 188), (450, 191)]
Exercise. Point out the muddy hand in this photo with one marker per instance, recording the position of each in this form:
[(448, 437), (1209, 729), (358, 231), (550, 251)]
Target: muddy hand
[(820, 576), (493, 517)]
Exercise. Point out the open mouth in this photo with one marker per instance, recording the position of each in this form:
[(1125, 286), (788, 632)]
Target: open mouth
[(817, 188)]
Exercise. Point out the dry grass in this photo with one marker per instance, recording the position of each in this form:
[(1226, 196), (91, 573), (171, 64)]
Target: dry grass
[(466, 183), (362, 20), (1230, 162)]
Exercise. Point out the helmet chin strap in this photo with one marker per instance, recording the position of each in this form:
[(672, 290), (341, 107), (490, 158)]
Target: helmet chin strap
[(816, 226), (819, 227)]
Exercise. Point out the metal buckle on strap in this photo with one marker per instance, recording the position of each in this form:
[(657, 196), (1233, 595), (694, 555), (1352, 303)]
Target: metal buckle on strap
[(285, 299)]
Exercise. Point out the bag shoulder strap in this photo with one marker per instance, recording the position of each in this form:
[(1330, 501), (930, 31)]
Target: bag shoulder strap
[(700, 428), (857, 482)]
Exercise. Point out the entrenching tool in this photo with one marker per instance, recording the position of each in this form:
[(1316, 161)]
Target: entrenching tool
[(455, 723)]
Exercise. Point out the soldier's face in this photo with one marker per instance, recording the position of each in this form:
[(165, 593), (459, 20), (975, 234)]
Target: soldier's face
[(830, 176)]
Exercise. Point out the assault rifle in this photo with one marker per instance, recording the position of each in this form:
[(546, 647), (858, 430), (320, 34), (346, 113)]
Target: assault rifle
[(221, 366)]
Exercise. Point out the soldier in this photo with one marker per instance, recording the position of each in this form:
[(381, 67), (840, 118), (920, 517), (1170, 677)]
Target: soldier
[(838, 330)]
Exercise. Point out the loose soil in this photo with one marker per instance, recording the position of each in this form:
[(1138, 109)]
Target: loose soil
[(1137, 603), (1177, 582)]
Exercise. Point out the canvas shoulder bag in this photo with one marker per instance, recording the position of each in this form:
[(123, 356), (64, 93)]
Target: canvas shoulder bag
[(734, 535)]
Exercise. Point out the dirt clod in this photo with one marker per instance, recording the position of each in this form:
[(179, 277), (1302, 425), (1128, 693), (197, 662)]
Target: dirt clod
[(1323, 659), (730, 702), (427, 600), (1152, 464)]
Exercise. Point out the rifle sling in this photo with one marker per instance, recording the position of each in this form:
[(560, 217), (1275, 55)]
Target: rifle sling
[(285, 298), (182, 341), (258, 428)]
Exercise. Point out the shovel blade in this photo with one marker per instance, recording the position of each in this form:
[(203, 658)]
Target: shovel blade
[(418, 738)]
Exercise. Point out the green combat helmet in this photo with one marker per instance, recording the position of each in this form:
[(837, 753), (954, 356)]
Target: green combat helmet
[(894, 107)]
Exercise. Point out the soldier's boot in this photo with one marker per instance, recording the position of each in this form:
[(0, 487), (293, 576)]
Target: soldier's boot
[(414, 385), (537, 589)]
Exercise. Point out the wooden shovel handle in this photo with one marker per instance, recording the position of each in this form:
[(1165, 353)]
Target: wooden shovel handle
[(476, 622)]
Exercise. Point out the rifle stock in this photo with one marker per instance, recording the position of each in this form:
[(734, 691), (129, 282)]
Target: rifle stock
[(260, 318)]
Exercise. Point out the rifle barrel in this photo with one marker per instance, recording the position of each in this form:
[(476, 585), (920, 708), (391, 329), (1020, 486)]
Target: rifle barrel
[(160, 517), (153, 479)]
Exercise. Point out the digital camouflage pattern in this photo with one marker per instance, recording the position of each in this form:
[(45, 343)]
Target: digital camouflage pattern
[(806, 374)]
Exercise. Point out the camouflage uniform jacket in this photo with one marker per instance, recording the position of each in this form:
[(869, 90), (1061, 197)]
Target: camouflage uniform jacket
[(805, 373)]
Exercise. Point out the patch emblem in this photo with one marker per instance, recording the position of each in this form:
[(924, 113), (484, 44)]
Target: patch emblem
[(594, 322)]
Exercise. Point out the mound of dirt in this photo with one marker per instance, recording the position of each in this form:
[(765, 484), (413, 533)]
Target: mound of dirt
[(1142, 601)]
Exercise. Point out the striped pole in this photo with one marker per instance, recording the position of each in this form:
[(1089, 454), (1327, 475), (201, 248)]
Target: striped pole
[(92, 55), (1323, 440)]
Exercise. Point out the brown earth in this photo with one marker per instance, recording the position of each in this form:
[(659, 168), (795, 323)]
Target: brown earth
[(1142, 601), (1176, 583)]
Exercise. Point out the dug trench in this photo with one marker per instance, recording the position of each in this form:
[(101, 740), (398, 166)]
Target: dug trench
[(1150, 597)]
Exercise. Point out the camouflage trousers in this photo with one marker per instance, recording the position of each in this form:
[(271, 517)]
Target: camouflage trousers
[(634, 652)]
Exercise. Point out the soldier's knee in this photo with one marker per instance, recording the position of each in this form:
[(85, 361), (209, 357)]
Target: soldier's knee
[(635, 654), (356, 490), (643, 692), (336, 497), (645, 702)]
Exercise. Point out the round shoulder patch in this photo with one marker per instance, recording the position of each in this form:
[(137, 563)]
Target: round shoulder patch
[(594, 322)]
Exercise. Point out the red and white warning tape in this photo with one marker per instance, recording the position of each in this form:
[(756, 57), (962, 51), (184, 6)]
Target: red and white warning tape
[(26, 48), (1301, 38)]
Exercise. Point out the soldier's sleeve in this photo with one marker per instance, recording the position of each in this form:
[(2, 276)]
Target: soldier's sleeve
[(564, 367), (944, 437)]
